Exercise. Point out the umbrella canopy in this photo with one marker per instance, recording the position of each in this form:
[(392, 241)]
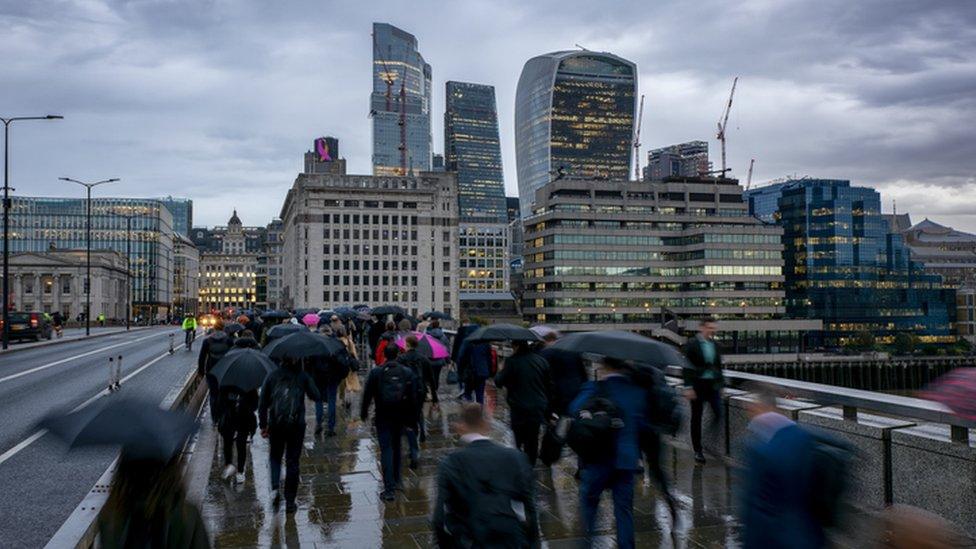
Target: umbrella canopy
[(140, 427), (426, 345), (304, 344), (957, 391), (623, 346), (544, 331), (502, 332), (275, 315), (438, 315), (281, 330), (389, 310), (299, 313), (244, 369), (233, 328), (311, 320)]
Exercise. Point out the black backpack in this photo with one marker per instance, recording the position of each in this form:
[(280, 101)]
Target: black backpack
[(396, 387), (664, 410), (219, 344), (831, 470), (593, 432), (287, 401)]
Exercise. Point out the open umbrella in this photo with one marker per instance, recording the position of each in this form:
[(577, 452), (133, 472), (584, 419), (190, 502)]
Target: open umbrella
[(426, 345), (311, 320), (275, 315), (389, 310), (543, 331), (437, 314), (305, 344), (139, 426), (502, 332), (244, 369), (623, 346), (281, 330), (957, 391), (233, 328)]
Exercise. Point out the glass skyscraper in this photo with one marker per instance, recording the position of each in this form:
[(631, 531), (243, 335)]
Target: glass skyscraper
[(472, 150), (843, 265), (401, 87), (574, 115), (182, 210)]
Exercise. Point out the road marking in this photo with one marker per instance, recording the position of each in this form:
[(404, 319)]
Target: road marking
[(70, 358), (31, 439)]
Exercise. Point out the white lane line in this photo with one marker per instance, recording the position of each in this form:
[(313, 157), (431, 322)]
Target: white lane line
[(70, 358), (30, 440)]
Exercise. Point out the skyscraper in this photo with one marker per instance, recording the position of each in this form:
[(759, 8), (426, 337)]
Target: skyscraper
[(684, 160), (401, 93), (574, 116), (471, 148)]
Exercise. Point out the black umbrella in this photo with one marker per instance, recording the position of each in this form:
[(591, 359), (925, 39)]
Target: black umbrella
[(503, 332), (281, 330), (361, 307), (389, 310), (438, 315), (140, 427), (623, 346), (244, 369), (304, 345), (233, 328), (275, 315)]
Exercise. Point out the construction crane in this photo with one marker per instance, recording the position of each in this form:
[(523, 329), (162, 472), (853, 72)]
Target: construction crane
[(723, 123), (402, 122), (637, 143), (752, 162), (387, 76)]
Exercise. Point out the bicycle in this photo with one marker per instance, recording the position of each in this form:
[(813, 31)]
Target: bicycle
[(188, 339)]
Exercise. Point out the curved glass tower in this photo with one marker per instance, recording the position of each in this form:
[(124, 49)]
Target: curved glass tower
[(574, 114)]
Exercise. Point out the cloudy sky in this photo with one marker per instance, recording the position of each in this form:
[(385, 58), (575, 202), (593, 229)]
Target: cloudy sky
[(217, 100)]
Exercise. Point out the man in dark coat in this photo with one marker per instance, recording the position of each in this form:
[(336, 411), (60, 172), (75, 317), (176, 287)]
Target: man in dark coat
[(568, 375), (237, 423), (527, 383), (214, 347), (421, 368), (703, 380), (484, 492)]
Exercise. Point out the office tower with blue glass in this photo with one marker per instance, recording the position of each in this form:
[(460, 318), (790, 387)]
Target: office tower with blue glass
[(400, 103), (842, 264), (182, 210), (574, 118), (472, 150)]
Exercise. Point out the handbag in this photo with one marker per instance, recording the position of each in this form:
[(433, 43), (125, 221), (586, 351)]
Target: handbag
[(452, 376)]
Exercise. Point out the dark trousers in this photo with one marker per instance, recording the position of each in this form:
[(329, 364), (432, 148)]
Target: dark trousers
[(390, 438), (235, 438), (413, 433), (596, 478), (704, 394), (214, 398), (435, 383), (287, 441), (652, 446), (527, 438), (477, 386), (329, 395)]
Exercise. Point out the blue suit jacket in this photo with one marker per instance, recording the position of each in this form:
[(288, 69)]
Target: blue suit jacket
[(631, 401)]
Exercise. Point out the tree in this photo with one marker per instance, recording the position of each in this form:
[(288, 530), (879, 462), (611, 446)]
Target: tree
[(862, 341), (905, 343)]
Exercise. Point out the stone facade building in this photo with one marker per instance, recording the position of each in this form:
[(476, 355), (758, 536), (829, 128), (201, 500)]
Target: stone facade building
[(54, 281), (229, 277)]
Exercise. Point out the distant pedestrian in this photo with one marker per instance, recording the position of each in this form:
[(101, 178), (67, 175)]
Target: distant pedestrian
[(236, 425), (421, 369), (214, 347), (101, 319), (703, 380), (351, 384), (568, 373), (475, 366), (436, 365), (616, 467), (328, 373), (281, 416), (246, 340), (387, 338), (527, 383), (485, 491), (392, 387), (335, 323)]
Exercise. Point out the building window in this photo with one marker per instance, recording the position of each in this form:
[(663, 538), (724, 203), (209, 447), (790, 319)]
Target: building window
[(65, 285)]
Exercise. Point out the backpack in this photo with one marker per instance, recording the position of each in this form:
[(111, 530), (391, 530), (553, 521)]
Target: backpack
[(593, 431), (287, 401), (664, 411), (232, 408), (831, 470), (216, 349), (396, 387)]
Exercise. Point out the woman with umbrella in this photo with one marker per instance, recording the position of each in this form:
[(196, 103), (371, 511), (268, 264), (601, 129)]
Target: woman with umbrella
[(239, 375)]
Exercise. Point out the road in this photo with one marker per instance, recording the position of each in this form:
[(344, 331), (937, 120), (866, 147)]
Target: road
[(41, 483)]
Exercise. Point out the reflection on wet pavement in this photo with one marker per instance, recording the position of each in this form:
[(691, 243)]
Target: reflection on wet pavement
[(339, 503)]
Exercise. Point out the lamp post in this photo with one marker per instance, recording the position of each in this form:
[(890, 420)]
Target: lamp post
[(128, 263), (6, 216), (88, 282)]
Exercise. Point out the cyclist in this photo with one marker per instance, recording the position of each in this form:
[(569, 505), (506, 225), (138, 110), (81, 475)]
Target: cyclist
[(190, 329)]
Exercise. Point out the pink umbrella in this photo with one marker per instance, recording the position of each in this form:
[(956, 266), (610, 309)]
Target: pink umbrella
[(957, 391), (311, 320), (427, 346)]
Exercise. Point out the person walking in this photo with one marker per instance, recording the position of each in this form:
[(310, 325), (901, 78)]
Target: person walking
[(328, 374), (421, 369), (214, 347), (236, 425), (435, 331), (386, 339), (527, 383), (246, 340), (101, 319), (474, 369), (392, 387), (618, 466), (485, 491), (703, 380), (57, 321), (568, 373), (350, 385), (281, 417)]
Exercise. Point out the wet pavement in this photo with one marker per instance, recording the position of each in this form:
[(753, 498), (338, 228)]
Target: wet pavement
[(339, 503)]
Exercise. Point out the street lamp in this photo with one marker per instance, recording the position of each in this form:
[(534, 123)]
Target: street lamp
[(128, 262), (6, 216), (88, 282)]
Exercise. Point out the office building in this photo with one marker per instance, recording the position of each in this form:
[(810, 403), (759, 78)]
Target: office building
[(272, 263), (574, 117), (843, 265), (212, 239), (38, 224), (646, 256), (54, 280), (437, 164), (351, 239), (683, 160), (182, 210), (186, 276), (229, 277), (472, 149), (401, 93)]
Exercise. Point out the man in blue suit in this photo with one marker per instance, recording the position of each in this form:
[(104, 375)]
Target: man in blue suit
[(618, 471)]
